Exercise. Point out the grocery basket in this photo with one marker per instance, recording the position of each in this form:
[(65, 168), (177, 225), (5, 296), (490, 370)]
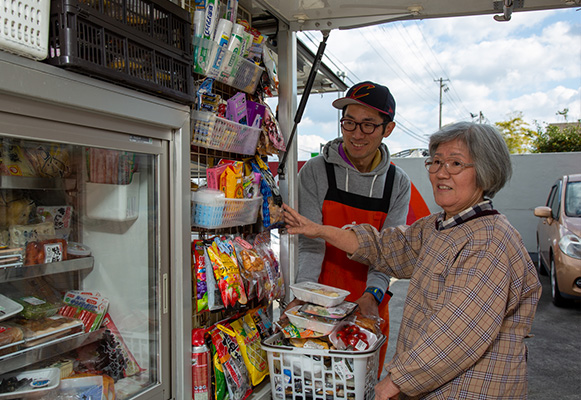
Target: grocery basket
[(142, 44), (232, 212), (25, 27), (213, 132), (214, 61), (310, 374)]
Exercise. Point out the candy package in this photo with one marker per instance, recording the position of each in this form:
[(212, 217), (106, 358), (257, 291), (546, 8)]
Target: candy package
[(252, 269), (272, 216), (227, 272), (254, 356), (199, 268), (232, 361), (214, 296)]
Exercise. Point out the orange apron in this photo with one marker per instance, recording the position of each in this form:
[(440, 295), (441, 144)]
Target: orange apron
[(341, 208)]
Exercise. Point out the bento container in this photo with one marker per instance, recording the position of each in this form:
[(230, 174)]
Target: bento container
[(318, 293), (311, 323)]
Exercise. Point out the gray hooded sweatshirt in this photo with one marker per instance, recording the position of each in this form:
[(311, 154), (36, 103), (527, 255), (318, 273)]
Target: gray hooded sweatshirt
[(313, 187)]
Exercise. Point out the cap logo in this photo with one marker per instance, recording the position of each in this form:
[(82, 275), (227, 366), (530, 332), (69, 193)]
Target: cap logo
[(356, 95)]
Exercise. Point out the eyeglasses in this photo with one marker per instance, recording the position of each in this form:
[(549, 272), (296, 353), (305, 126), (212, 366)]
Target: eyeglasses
[(366, 127), (453, 167)]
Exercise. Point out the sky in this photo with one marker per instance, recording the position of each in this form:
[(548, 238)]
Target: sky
[(491, 71)]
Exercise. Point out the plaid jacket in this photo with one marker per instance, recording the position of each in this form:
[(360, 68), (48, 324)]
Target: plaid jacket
[(471, 301)]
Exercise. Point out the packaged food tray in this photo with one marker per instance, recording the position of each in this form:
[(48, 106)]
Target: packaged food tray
[(32, 384), (317, 293), (142, 44), (298, 373), (232, 212), (311, 323), (223, 65), (25, 27), (213, 132)]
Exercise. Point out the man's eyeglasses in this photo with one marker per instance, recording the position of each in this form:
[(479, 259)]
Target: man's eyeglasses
[(366, 127), (453, 167)]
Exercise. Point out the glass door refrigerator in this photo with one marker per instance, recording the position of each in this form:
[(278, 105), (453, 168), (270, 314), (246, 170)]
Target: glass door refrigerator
[(94, 295)]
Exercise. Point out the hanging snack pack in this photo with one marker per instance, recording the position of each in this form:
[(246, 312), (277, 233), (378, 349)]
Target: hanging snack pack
[(232, 361), (248, 340), (199, 268), (227, 273), (272, 216), (252, 269)]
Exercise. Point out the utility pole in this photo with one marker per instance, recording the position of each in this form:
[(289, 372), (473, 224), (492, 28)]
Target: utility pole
[(443, 87), (341, 75)]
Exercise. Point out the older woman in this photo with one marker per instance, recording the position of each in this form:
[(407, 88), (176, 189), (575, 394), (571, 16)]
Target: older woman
[(473, 288)]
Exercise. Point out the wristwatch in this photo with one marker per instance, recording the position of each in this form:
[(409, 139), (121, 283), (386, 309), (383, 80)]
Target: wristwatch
[(376, 292)]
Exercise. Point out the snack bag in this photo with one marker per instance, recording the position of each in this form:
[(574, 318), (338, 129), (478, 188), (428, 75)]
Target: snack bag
[(252, 269), (230, 356), (254, 356), (214, 295), (262, 246), (272, 216), (262, 321), (227, 273), (199, 268), (219, 381)]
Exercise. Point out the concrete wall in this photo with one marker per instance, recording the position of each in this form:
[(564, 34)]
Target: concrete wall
[(533, 176)]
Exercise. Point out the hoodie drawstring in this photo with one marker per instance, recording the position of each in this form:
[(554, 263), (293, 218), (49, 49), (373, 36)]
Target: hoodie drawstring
[(372, 183)]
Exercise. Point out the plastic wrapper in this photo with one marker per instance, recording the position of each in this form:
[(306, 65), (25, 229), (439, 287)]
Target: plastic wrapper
[(350, 336), (16, 209), (291, 331), (46, 251), (252, 269), (335, 313), (262, 246), (42, 330), (262, 321), (219, 381), (272, 215), (21, 235), (227, 273), (130, 364), (232, 361), (214, 296), (89, 307), (315, 344), (60, 216), (199, 268), (36, 307), (254, 356)]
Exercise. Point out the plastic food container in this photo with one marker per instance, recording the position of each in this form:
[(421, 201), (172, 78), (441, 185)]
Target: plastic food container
[(77, 250), (32, 383), (370, 337), (310, 323), (8, 307), (320, 294)]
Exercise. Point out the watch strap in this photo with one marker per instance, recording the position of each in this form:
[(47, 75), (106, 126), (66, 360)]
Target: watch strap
[(376, 292)]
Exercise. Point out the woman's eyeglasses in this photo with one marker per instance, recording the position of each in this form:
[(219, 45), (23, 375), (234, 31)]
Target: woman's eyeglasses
[(366, 127), (453, 167)]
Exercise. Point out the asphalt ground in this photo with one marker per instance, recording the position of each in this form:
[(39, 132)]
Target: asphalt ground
[(554, 365)]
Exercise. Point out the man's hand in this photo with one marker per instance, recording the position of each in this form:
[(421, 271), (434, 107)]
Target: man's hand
[(386, 390), (368, 305), (294, 303)]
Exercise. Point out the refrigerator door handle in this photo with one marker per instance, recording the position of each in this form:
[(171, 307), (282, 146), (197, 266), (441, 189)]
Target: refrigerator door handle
[(165, 294)]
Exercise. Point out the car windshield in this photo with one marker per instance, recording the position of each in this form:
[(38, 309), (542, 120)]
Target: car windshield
[(573, 199)]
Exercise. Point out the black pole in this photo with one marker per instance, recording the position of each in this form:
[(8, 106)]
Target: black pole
[(303, 103)]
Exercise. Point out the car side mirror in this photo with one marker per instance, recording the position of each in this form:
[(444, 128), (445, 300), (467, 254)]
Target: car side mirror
[(543, 212)]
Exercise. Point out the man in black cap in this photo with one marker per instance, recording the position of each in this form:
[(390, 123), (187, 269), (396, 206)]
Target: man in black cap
[(354, 182)]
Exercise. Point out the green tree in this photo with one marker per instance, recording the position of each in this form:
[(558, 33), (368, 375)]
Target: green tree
[(558, 140), (518, 136)]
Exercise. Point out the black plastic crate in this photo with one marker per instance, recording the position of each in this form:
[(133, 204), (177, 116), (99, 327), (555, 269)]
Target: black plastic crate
[(143, 44)]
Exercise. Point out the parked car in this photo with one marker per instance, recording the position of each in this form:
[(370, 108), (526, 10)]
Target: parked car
[(559, 239)]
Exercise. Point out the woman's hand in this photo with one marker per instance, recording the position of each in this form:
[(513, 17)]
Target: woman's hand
[(386, 390), (296, 223)]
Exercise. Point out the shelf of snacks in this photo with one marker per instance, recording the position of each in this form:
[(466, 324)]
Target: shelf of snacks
[(26, 356), (14, 273)]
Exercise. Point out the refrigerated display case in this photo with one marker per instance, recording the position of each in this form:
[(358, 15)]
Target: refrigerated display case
[(94, 220)]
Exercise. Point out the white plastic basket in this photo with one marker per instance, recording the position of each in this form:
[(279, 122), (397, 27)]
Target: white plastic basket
[(297, 373), (24, 27), (234, 212), (213, 132)]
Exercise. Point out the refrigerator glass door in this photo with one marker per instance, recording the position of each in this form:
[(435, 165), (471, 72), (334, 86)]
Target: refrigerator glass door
[(81, 251)]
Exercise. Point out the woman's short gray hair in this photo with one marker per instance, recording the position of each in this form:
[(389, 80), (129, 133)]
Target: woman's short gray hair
[(487, 149)]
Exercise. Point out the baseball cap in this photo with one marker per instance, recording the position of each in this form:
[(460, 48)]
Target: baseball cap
[(369, 94)]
